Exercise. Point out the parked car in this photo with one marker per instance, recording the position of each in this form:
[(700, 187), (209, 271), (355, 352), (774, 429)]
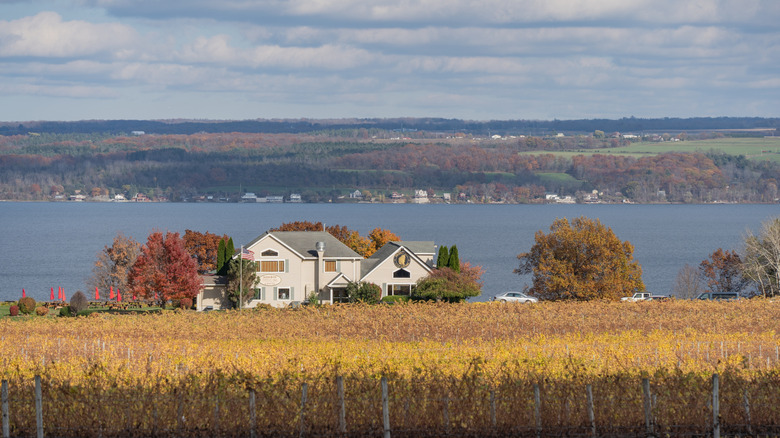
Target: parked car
[(720, 296), (514, 297), (639, 296)]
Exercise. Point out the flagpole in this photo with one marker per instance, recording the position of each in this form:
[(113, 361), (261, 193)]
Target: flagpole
[(240, 277)]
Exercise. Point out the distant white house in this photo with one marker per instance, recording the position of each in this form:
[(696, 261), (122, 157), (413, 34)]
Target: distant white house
[(137, 132), (420, 197), (248, 197), (295, 197), (275, 199), (357, 194)]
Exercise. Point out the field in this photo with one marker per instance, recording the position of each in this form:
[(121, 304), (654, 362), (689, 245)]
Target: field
[(469, 369), (753, 148)]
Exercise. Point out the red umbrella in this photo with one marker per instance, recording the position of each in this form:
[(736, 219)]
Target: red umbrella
[(111, 293), (63, 295), (24, 294), (97, 295), (134, 298), (51, 297), (118, 295), (59, 292)]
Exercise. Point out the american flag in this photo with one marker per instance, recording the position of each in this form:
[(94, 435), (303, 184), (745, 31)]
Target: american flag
[(247, 254)]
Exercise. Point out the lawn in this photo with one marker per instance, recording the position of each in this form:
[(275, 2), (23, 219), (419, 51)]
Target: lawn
[(767, 148)]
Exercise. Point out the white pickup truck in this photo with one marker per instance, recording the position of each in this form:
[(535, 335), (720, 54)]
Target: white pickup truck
[(639, 296)]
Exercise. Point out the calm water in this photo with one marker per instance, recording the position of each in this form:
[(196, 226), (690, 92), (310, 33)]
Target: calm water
[(48, 245)]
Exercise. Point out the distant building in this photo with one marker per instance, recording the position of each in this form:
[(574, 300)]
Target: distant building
[(357, 194), (137, 132), (275, 199), (293, 266), (248, 197), (295, 197)]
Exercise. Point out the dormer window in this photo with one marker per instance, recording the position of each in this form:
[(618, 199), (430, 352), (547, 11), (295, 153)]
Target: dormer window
[(269, 253)]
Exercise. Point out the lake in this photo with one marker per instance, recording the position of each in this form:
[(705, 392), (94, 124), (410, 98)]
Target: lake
[(47, 245)]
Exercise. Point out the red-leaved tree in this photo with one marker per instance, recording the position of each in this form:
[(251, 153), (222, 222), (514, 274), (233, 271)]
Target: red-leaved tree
[(166, 269)]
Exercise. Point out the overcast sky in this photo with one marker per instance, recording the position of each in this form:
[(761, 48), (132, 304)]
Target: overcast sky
[(468, 59)]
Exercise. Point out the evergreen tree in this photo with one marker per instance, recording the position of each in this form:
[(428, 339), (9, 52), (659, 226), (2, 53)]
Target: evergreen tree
[(454, 262), (230, 249), (220, 255), (444, 257)]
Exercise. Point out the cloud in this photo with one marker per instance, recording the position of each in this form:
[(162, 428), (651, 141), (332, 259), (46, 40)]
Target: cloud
[(404, 13), (47, 35)]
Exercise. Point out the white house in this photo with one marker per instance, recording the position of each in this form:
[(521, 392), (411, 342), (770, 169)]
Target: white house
[(294, 265)]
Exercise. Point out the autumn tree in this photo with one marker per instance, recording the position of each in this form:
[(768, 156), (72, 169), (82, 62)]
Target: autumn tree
[(205, 248), (581, 260), (723, 272), (164, 269), (688, 283), (114, 263), (379, 237), (241, 276), (446, 284), (762, 258)]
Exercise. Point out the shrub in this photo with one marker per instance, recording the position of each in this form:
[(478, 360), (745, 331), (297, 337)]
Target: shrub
[(78, 302), (368, 293), (41, 310), (65, 311), (14, 310), (392, 299), (185, 303), (27, 305)]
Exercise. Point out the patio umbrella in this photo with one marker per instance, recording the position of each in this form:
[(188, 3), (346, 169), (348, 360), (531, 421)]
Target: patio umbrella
[(97, 295), (51, 297), (111, 293), (118, 295), (24, 294), (63, 295)]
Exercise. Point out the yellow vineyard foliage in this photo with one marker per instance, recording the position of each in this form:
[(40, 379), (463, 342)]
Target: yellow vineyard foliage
[(472, 358)]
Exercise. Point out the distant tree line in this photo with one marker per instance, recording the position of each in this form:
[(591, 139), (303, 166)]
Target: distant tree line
[(179, 167), (401, 125)]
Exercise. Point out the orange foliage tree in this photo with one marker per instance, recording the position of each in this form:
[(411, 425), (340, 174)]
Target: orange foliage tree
[(114, 263), (365, 246), (204, 247), (581, 260), (164, 269), (723, 272)]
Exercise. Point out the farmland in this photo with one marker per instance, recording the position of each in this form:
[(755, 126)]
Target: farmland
[(752, 148), (462, 369)]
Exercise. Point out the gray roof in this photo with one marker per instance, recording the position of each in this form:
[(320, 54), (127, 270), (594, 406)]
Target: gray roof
[(304, 242), (417, 247)]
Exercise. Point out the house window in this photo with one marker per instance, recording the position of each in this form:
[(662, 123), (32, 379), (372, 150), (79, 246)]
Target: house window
[(271, 266), (269, 253), (283, 293), (402, 273), (400, 289), (330, 266)]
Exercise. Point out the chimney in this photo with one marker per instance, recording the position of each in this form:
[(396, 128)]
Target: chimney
[(320, 247)]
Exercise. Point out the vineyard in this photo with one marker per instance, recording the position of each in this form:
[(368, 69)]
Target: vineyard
[(552, 369)]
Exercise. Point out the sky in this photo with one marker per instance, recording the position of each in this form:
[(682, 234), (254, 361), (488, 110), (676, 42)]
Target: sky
[(323, 59)]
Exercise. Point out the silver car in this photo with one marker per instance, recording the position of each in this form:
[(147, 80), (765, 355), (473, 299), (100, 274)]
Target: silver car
[(514, 297)]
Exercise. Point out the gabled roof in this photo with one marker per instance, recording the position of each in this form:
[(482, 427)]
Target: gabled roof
[(340, 279), (303, 243), (390, 249)]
